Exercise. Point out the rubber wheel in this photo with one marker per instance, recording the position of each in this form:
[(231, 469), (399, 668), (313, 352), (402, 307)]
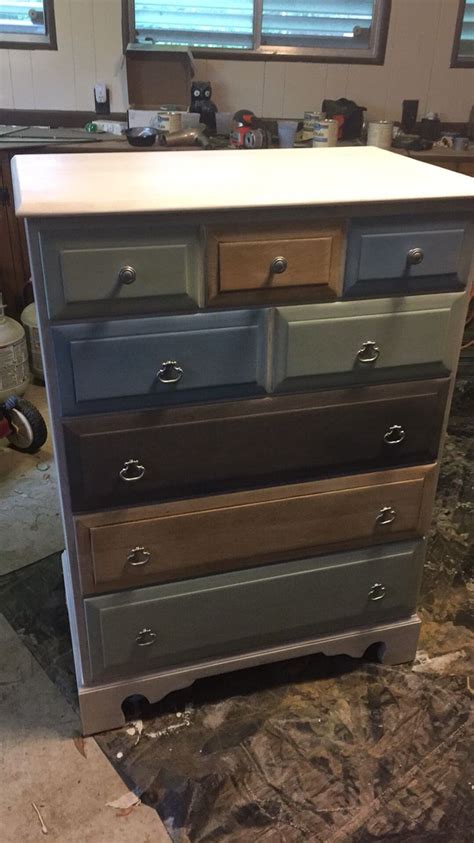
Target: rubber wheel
[(29, 427)]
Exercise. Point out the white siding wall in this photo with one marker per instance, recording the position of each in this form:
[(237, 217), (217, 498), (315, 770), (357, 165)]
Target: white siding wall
[(90, 50)]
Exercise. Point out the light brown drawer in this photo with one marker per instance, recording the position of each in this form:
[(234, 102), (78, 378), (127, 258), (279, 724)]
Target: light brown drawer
[(258, 265), (123, 548)]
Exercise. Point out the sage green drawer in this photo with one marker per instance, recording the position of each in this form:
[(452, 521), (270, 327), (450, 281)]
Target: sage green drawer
[(113, 268), (193, 620), (363, 341)]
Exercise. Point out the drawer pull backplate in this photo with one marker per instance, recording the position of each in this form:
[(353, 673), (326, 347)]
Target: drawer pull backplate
[(377, 592), (394, 435), (386, 515), (368, 352), (138, 556), (170, 372), (145, 638), (132, 471)]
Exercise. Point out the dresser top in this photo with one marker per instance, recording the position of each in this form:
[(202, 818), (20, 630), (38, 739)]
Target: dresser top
[(111, 183)]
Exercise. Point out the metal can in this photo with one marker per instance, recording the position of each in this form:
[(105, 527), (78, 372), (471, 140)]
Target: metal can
[(380, 133), (310, 118), (168, 121), (325, 133)]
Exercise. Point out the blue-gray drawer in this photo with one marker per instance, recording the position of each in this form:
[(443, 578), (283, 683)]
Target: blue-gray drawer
[(136, 363), (398, 256), (189, 621), (120, 268)]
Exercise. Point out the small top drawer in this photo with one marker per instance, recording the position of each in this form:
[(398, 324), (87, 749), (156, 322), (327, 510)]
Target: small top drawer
[(398, 255), (132, 363), (185, 622), (258, 265), (365, 341), (115, 268)]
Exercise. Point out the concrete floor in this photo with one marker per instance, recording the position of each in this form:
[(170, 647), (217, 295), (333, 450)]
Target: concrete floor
[(45, 762)]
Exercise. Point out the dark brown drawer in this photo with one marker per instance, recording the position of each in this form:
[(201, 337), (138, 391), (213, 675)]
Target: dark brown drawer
[(123, 548), (131, 458), (282, 263)]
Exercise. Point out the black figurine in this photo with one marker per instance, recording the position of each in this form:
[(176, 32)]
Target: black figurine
[(201, 103)]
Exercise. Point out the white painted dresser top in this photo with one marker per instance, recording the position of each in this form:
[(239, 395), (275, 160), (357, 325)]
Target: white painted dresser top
[(196, 180)]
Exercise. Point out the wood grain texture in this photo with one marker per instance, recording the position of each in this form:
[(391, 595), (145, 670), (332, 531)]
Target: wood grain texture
[(227, 532), (239, 259), (209, 448)]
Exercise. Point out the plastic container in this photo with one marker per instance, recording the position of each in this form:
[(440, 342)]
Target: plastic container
[(29, 320), (14, 369), (287, 133)]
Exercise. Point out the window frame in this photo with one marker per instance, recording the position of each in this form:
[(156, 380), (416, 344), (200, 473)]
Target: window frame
[(456, 59), (375, 54), (48, 41)]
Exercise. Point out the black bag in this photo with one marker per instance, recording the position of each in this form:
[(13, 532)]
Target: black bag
[(348, 114)]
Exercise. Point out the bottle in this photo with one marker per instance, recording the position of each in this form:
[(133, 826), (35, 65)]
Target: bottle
[(14, 369), (29, 320)]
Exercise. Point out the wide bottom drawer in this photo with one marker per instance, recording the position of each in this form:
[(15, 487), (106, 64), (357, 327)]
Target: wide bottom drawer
[(123, 548), (181, 623)]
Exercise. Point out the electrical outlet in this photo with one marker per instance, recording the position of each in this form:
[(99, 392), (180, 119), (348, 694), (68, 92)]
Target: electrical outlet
[(101, 98)]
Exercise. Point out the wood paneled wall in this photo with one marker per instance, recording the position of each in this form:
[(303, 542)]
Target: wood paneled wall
[(90, 50)]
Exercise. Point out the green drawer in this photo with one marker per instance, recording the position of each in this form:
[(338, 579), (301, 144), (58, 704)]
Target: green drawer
[(115, 268), (181, 623)]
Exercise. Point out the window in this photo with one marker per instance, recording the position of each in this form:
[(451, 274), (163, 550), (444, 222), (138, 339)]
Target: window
[(27, 24), (463, 48), (310, 30)]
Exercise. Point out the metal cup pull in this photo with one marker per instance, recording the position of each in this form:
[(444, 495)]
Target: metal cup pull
[(415, 257), (377, 592), (132, 471), (394, 435), (170, 372), (369, 352), (127, 275), (138, 556), (386, 515), (278, 265), (146, 637)]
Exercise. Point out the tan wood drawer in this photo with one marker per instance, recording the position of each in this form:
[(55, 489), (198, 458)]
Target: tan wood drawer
[(258, 265), (189, 538)]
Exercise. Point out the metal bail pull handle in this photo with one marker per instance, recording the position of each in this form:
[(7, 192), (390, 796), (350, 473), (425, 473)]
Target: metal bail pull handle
[(170, 372), (377, 592), (369, 352), (132, 471), (138, 556), (386, 515), (146, 637), (394, 435)]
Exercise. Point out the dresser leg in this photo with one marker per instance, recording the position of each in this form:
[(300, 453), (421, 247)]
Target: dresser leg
[(400, 645)]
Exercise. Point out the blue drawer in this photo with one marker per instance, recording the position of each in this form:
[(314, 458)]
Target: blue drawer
[(396, 256), (126, 364)]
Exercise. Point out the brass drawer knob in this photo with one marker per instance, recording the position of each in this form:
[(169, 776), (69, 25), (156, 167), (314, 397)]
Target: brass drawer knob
[(415, 257), (170, 372), (127, 275), (394, 435), (138, 556), (132, 471), (278, 265), (377, 592), (386, 515), (145, 638), (368, 352)]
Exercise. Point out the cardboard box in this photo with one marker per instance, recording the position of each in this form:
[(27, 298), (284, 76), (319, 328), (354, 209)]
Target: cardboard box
[(158, 76)]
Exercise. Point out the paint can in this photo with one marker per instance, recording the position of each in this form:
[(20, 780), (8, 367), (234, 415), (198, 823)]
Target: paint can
[(309, 119), (168, 121), (380, 133), (325, 133)]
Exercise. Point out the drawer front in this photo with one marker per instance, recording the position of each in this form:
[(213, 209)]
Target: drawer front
[(357, 342), (117, 269), (224, 447), (186, 622), (144, 362), (282, 263), (400, 256), (218, 533)]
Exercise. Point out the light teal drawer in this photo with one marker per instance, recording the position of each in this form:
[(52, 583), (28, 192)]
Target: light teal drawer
[(180, 623), (116, 268), (133, 363), (363, 341)]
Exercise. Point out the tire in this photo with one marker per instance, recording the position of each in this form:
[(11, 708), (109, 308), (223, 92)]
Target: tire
[(30, 431)]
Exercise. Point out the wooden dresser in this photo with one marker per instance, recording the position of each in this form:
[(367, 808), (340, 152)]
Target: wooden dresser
[(250, 359)]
